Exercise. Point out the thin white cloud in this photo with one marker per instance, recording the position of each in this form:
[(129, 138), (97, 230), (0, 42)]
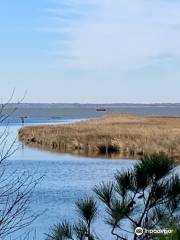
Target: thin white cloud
[(115, 34)]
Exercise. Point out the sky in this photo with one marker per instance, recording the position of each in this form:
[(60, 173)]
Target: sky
[(103, 51)]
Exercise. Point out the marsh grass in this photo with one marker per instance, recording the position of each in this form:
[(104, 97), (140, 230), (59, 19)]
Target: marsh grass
[(111, 135)]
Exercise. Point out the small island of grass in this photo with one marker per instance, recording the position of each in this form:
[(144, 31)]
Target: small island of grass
[(113, 135)]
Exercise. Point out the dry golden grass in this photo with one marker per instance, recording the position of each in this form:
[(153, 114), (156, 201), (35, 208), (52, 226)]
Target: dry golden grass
[(113, 135)]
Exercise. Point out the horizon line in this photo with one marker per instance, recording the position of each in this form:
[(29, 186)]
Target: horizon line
[(97, 103)]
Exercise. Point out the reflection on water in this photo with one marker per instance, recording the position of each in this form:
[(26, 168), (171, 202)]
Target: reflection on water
[(67, 178)]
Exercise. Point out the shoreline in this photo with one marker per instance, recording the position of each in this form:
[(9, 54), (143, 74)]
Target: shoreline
[(111, 136)]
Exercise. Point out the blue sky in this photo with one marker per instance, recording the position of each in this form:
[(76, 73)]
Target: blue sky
[(90, 50)]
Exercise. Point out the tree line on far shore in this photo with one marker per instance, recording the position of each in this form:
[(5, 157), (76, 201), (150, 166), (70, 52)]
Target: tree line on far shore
[(147, 196)]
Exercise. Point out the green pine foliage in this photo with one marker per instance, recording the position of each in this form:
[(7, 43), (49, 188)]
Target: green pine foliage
[(144, 196)]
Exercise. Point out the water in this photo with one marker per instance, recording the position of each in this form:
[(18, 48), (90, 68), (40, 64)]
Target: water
[(71, 111), (67, 178)]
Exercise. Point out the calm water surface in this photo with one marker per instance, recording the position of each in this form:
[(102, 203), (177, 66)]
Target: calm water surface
[(67, 178)]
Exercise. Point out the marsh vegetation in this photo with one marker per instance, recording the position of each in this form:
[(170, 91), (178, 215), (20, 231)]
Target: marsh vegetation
[(114, 135)]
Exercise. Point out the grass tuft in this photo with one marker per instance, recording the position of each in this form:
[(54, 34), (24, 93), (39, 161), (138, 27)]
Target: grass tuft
[(111, 135)]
